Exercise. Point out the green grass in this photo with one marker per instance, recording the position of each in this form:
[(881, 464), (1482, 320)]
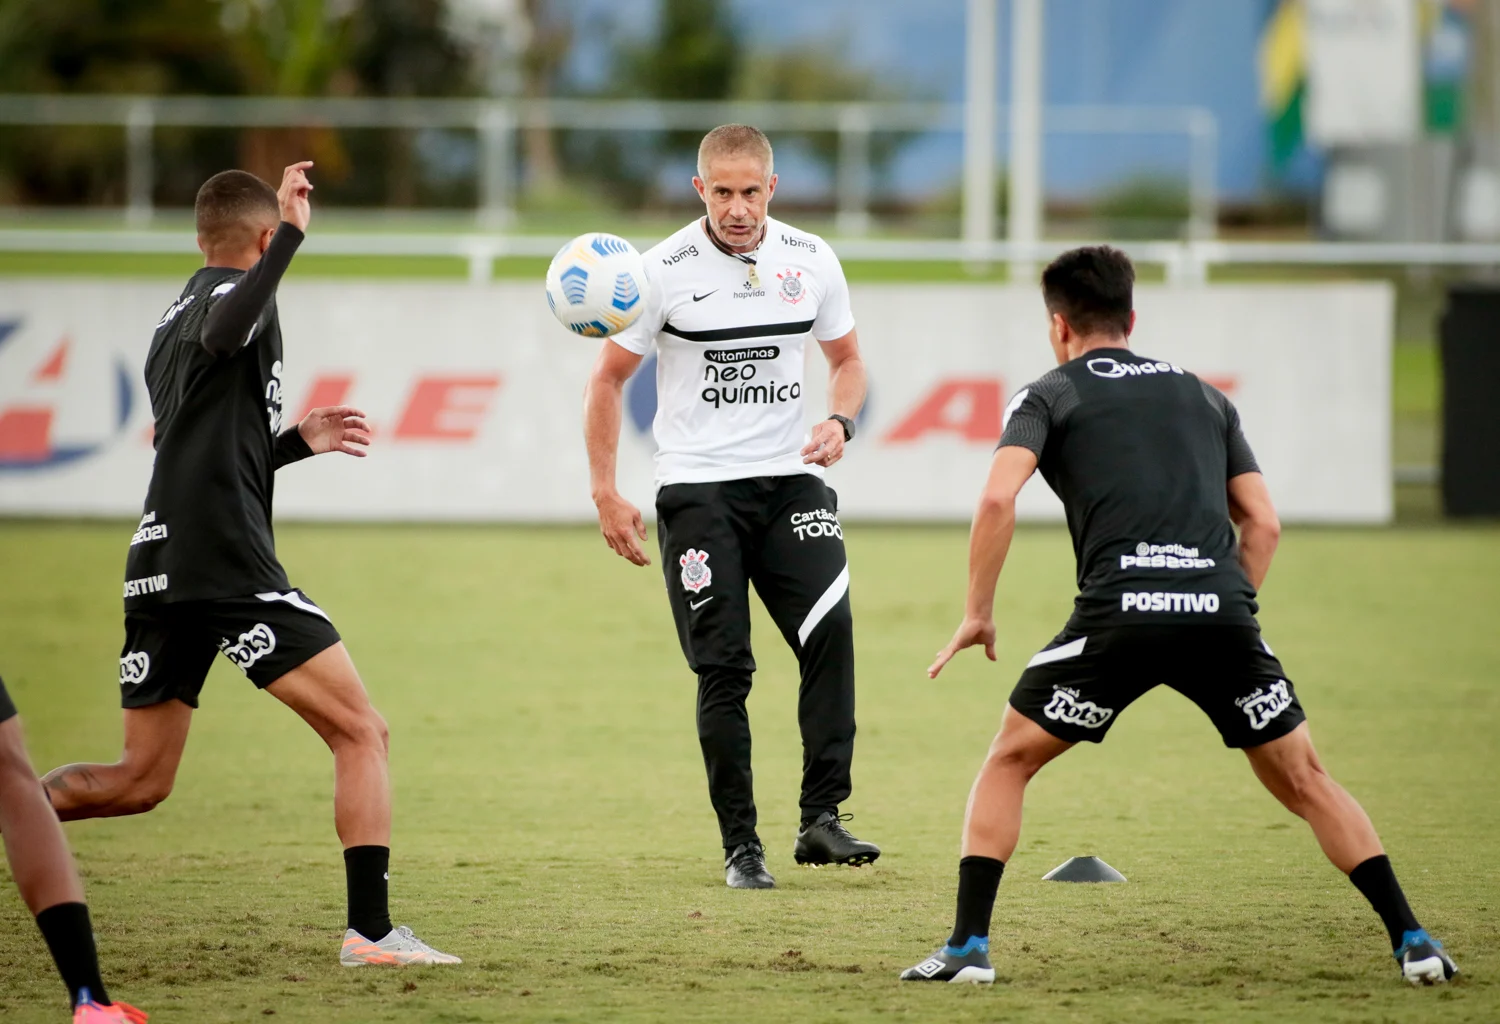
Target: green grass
[(553, 828)]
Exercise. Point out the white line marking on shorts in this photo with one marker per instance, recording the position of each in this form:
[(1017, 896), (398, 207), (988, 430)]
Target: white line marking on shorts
[(1068, 650)]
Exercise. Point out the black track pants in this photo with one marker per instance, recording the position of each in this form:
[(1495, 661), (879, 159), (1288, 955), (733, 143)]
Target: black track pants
[(782, 534)]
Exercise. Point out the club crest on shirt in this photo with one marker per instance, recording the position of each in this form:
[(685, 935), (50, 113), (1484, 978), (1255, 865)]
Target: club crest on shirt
[(792, 290), (695, 572)]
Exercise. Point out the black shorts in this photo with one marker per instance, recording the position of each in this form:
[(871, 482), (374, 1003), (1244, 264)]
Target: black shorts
[(169, 647), (7, 709), (1080, 683)]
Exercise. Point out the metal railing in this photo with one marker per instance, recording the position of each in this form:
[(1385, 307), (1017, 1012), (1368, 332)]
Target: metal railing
[(1183, 262), (496, 123)]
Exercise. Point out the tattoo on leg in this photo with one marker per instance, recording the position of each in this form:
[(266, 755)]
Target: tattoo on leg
[(68, 778)]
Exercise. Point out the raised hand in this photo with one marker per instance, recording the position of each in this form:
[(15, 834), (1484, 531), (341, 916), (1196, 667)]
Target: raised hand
[(293, 193), (336, 428)]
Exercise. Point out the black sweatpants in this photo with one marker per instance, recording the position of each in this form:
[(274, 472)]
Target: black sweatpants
[(782, 534)]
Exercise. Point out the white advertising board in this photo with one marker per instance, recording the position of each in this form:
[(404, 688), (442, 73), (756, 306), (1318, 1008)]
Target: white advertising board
[(475, 394)]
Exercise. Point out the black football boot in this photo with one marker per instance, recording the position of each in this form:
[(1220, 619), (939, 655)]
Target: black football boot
[(825, 840), (745, 868)]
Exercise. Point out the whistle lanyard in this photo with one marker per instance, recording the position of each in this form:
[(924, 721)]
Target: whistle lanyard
[(745, 258)]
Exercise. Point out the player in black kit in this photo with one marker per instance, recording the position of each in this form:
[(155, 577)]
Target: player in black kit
[(202, 573), (1154, 473)]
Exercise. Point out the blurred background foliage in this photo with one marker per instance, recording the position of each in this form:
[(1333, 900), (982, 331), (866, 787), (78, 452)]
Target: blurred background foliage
[(395, 48)]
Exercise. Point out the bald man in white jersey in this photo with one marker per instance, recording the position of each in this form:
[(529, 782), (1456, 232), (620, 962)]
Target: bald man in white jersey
[(740, 497)]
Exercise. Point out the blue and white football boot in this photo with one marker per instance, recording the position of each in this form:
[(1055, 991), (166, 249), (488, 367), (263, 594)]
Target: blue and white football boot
[(1422, 959), (969, 963)]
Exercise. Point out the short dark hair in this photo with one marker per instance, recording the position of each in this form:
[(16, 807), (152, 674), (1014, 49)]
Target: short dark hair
[(232, 208), (1092, 288)]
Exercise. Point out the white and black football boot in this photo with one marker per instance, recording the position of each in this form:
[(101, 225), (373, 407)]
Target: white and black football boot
[(1422, 959), (969, 964)]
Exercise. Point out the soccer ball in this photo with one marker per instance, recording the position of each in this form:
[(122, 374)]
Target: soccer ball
[(596, 285)]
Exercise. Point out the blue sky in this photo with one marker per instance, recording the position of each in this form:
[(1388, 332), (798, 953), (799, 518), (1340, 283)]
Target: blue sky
[(1097, 52)]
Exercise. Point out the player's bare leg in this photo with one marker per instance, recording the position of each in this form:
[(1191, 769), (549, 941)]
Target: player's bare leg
[(327, 692), (44, 871), (992, 822), (1289, 767), (992, 828), (155, 737)]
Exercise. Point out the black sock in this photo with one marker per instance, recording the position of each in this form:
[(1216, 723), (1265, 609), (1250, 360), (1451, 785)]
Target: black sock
[(978, 879), (70, 937), (1377, 881), (367, 869)]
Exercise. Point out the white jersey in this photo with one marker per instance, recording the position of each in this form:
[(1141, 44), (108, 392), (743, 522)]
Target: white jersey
[(730, 337)]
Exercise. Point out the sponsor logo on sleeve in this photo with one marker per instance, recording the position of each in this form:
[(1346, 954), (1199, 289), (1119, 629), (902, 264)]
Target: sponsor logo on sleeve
[(253, 645), (274, 398), (146, 585), (1265, 704), (1065, 707), (134, 668), (148, 530), (695, 571), (1157, 601), (1165, 556), (818, 523)]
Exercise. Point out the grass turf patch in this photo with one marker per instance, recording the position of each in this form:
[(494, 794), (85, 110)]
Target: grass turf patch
[(552, 825)]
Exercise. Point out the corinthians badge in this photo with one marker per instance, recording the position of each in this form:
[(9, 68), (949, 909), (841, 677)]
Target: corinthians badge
[(792, 289), (695, 572)]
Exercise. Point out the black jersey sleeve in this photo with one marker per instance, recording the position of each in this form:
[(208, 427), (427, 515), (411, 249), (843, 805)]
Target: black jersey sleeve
[(1241, 458), (290, 447), (227, 327), (1035, 410)]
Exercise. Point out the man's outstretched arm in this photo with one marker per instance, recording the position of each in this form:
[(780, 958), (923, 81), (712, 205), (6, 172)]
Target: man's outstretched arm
[(989, 542), (1260, 530)]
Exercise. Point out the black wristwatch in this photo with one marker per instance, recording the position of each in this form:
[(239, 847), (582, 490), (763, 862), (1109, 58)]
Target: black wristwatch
[(847, 424)]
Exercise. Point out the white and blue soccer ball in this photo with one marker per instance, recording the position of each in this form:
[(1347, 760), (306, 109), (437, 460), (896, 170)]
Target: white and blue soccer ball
[(596, 285)]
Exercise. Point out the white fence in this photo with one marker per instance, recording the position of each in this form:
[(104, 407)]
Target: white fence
[(475, 394), (1185, 262)]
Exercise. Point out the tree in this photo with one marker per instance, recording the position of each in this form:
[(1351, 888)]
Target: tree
[(100, 46)]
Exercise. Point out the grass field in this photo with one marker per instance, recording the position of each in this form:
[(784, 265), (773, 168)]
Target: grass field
[(553, 826)]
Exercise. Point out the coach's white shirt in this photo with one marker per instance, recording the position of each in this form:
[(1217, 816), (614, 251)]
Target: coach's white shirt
[(730, 349)]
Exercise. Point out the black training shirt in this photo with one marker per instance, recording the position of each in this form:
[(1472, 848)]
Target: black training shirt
[(1140, 452), (214, 376)]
